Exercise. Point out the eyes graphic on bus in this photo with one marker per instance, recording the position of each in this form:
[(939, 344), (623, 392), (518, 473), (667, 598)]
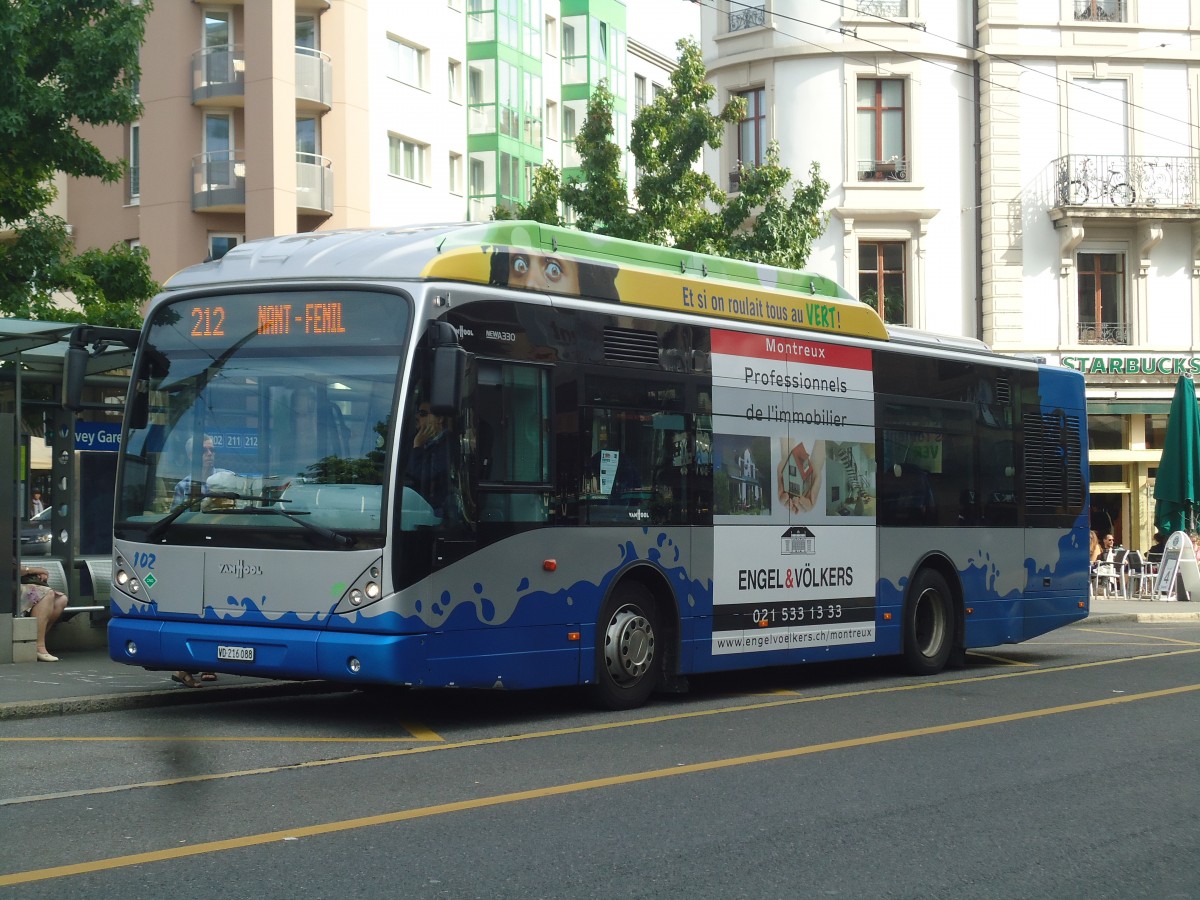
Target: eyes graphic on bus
[(543, 273)]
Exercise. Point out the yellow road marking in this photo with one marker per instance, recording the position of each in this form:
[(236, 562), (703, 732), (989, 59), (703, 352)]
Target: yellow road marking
[(1000, 659), (415, 733), (254, 840), (789, 700), (1158, 638)]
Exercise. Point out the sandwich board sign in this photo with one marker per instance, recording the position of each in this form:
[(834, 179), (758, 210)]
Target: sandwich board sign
[(1177, 569)]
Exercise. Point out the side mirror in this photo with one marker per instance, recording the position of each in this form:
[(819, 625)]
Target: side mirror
[(447, 370), (75, 365)]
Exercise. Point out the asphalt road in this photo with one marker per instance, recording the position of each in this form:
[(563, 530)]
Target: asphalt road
[(1063, 767)]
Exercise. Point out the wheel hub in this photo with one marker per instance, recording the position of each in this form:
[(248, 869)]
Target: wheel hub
[(628, 645)]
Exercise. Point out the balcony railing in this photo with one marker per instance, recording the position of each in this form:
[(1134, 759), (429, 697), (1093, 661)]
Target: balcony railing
[(314, 78), (894, 169), (889, 9), (1100, 10), (219, 181), (218, 73), (314, 184), (1126, 181), (1103, 333), (743, 17)]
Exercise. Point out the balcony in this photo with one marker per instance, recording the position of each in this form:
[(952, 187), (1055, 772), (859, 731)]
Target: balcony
[(893, 169), (1126, 187), (219, 181), (314, 185), (746, 17), (887, 9), (1103, 333), (314, 80), (219, 76), (1100, 11)]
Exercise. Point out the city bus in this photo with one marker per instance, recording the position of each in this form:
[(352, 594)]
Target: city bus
[(505, 455)]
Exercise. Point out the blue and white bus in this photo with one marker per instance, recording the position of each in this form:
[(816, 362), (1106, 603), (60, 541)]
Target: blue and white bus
[(503, 455)]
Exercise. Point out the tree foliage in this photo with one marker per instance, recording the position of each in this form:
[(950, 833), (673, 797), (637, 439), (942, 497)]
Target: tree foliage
[(675, 204), (67, 63)]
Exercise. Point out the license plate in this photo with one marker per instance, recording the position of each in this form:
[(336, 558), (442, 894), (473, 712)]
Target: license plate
[(241, 654)]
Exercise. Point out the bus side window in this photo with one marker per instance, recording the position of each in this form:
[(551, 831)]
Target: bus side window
[(512, 441)]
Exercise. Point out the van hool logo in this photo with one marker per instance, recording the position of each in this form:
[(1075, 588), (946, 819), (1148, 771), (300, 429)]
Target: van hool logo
[(240, 569)]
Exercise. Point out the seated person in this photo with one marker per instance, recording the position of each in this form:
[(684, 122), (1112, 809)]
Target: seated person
[(208, 468), (428, 469), (42, 602)]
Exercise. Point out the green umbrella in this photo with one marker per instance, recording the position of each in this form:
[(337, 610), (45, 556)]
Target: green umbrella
[(1177, 487)]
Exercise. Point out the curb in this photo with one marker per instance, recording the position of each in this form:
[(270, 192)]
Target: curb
[(66, 706), (1149, 618)]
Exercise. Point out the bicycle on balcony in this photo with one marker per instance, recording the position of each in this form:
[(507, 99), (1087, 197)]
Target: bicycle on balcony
[(1110, 187)]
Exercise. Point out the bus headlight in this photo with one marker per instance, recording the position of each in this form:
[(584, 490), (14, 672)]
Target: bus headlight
[(372, 590), (356, 597), (122, 577)]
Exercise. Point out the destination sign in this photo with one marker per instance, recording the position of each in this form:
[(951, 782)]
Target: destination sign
[(299, 318)]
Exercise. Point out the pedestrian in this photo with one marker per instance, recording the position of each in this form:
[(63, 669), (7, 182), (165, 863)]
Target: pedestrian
[(36, 505)]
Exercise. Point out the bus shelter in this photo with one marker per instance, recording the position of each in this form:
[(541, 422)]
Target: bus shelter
[(78, 487)]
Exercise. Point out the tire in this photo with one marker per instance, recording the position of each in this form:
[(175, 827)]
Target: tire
[(1077, 193), (929, 632), (1122, 194), (628, 664)]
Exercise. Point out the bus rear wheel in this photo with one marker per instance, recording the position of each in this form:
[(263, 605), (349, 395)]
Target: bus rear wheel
[(928, 624), (627, 655)]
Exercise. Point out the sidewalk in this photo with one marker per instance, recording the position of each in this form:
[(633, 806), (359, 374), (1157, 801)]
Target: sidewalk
[(88, 681)]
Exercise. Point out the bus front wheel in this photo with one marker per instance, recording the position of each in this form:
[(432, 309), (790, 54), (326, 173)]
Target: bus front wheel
[(627, 655), (928, 624)]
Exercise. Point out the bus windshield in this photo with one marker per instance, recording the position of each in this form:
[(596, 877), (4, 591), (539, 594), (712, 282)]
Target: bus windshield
[(267, 419)]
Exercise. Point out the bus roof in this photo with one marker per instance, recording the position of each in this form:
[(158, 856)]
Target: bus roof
[(602, 268)]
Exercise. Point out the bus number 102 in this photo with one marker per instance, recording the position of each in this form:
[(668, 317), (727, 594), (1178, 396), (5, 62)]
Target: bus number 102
[(208, 321)]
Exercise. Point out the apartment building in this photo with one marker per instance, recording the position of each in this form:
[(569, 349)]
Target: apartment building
[(1022, 171), (279, 116)]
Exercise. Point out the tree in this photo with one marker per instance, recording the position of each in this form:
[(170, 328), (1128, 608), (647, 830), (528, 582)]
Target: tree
[(67, 63), (677, 205)]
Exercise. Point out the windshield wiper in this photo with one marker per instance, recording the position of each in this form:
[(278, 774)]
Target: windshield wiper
[(329, 534), (159, 528)]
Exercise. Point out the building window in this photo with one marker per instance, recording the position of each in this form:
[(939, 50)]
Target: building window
[(481, 20), (574, 50), (1102, 318), (531, 28), (481, 96), (408, 63), (880, 122), (752, 129), (306, 32), (456, 173), (639, 93), (881, 274), (454, 80), (551, 120), (408, 159), (746, 15), (1100, 10), (220, 244), (550, 36), (508, 98), (308, 140), (531, 109), (135, 162)]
